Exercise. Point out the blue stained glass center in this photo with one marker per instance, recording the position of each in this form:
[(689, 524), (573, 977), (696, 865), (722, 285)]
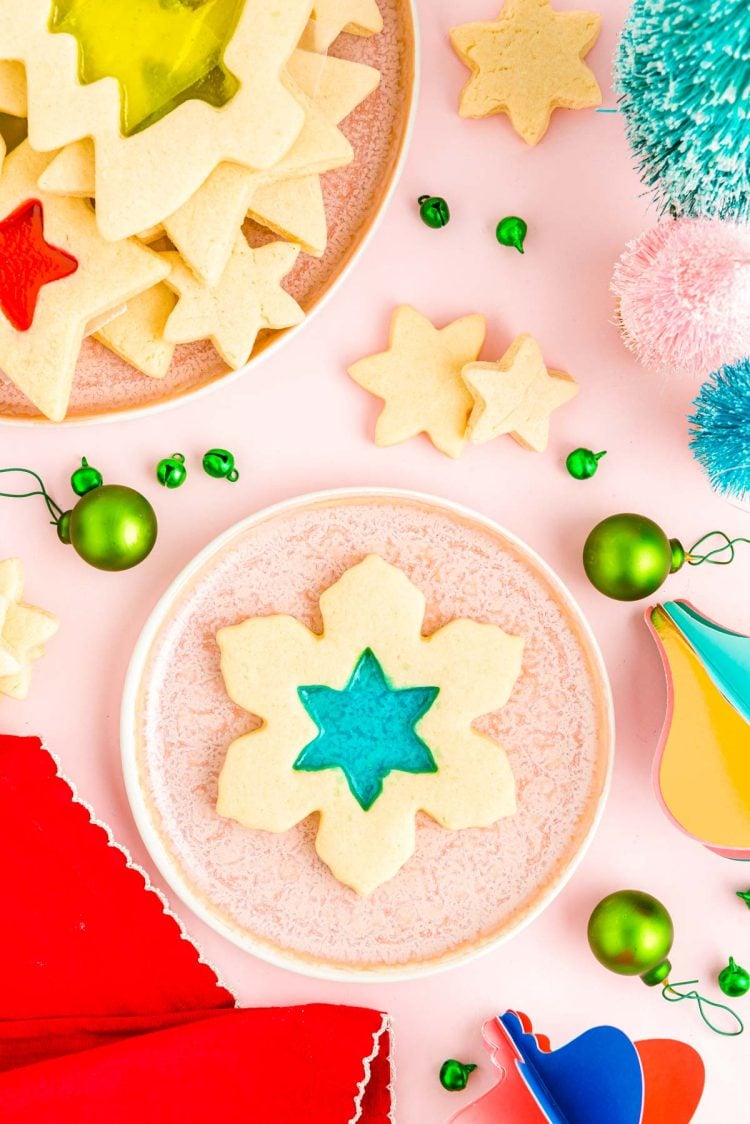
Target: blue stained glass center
[(367, 730)]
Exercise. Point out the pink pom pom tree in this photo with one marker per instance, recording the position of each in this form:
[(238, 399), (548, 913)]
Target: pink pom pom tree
[(683, 292)]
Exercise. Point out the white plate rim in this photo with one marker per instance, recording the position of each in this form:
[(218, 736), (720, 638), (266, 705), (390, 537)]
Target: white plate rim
[(164, 861), (151, 409)]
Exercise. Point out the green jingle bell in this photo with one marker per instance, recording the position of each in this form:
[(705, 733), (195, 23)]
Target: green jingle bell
[(171, 472), (627, 557), (433, 210), (86, 478), (454, 1075), (631, 933), (583, 463), (734, 980), (220, 464), (511, 231), (111, 527)]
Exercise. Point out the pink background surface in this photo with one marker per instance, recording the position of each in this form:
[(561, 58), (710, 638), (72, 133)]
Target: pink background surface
[(297, 424)]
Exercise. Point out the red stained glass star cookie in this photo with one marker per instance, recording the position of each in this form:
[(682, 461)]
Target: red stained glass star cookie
[(27, 263)]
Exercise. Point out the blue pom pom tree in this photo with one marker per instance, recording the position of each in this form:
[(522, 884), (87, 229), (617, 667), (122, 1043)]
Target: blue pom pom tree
[(720, 429), (683, 75)]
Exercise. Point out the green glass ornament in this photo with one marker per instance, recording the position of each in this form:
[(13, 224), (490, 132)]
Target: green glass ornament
[(733, 980), (631, 933), (628, 557), (745, 895), (86, 478), (454, 1076), (583, 463), (112, 527), (171, 472), (511, 231), (434, 211), (220, 464)]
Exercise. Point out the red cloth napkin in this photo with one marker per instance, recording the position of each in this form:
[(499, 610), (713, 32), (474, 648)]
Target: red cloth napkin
[(107, 1012)]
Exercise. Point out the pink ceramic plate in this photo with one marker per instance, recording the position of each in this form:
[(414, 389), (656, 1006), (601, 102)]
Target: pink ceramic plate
[(106, 387), (461, 892)]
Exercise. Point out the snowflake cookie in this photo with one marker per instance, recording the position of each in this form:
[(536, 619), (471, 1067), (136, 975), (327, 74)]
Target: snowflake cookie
[(367, 723)]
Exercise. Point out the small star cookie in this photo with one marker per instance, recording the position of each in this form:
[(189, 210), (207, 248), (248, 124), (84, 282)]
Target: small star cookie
[(528, 62), (85, 278), (248, 298), (419, 379), (24, 630), (331, 17), (368, 723), (516, 395)]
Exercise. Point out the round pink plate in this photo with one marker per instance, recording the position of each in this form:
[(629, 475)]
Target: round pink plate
[(106, 388), (461, 892)]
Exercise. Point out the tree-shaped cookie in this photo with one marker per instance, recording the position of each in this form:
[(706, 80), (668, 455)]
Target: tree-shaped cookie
[(177, 61)]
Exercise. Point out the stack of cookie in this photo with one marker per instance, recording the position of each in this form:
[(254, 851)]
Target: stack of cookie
[(154, 130)]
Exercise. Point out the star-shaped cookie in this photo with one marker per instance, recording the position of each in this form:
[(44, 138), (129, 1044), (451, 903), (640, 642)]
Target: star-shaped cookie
[(419, 379), (24, 630), (137, 334), (146, 175), (331, 17), (286, 199), (41, 361), (528, 62), (204, 229), (295, 210), (516, 395), (248, 298)]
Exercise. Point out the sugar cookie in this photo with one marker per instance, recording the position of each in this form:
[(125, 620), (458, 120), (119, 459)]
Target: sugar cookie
[(154, 148), (367, 723), (204, 229), (528, 62), (24, 630), (419, 379), (137, 336), (516, 395), (13, 89), (293, 209), (61, 275), (248, 298), (331, 17)]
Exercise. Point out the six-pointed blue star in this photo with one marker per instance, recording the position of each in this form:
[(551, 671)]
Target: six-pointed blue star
[(367, 730)]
